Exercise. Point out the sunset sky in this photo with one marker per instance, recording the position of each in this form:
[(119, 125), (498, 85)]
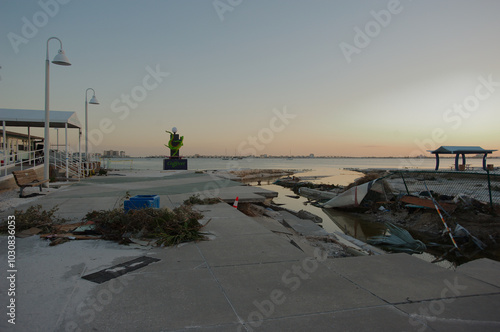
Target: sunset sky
[(280, 77)]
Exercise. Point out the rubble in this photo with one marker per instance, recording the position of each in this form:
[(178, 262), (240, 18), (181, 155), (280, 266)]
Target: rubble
[(417, 213), (302, 226)]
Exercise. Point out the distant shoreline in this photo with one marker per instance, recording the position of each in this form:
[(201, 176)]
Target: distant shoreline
[(306, 157)]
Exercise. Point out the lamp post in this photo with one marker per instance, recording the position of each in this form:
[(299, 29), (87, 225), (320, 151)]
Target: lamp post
[(93, 101), (59, 59)]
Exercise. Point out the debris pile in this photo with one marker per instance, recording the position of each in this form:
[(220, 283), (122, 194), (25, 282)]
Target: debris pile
[(148, 226), (296, 184), (66, 232), (256, 174), (473, 226), (164, 226)]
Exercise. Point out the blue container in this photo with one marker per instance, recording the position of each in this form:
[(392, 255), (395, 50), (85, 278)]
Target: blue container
[(136, 205), (155, 199)]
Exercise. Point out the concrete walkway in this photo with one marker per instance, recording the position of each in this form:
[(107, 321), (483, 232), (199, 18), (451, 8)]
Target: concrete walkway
[(246, 278)]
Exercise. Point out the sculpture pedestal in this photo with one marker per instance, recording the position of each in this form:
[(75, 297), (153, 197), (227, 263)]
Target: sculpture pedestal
[(175, 164)]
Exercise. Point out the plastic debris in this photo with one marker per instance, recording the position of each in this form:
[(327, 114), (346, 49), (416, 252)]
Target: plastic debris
[(399, 240)]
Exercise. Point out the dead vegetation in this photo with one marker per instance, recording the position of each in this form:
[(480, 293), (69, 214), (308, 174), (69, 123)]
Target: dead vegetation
[(163, 227), (170, 227), (195, 199), (34, 216)]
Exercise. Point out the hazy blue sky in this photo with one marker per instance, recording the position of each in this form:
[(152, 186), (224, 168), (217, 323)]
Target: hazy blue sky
[(261, 76)]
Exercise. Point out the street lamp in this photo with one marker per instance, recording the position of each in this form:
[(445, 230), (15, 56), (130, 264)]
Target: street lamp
[(62, 60), (93, 101)]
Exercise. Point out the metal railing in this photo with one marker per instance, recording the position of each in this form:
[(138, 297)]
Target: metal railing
[(20, 160), (67, 163)]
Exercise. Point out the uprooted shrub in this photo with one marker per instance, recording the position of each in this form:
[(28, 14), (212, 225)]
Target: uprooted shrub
[(34, 216), (170, 227), (195, 199)]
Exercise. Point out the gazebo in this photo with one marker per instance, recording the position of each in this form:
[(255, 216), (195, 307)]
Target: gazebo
[(461, 150)]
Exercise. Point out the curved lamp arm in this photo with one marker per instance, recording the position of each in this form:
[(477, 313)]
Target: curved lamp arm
[(93, 100)]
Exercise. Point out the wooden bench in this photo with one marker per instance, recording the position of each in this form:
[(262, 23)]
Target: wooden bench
[(27, 178)]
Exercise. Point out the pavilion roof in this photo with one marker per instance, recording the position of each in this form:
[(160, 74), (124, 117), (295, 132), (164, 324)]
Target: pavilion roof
[(36, 118), (460, 150)]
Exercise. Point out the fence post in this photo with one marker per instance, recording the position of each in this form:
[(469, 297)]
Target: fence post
[(407, 191), (489, 188)]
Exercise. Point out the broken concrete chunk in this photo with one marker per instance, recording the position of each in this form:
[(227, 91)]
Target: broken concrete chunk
[(303, 214)]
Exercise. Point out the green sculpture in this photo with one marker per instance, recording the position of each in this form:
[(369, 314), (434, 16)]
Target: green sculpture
[(175, 143)]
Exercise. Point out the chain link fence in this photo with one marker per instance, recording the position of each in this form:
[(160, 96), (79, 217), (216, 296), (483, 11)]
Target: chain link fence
[(483, 186)]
